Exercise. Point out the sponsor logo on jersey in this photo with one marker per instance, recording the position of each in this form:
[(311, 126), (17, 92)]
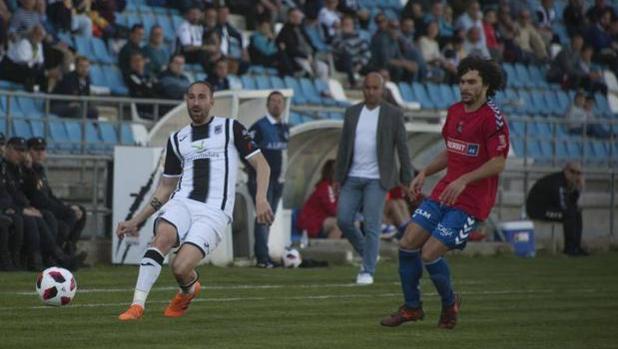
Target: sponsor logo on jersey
[(444, 231), (459, 128), (461, 147), (200, 148), (218, 129)]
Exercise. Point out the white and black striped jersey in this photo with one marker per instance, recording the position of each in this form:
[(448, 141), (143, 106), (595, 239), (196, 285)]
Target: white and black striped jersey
[(206, 158)]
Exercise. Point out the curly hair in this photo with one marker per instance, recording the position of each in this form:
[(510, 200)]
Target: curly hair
[(488, 69)]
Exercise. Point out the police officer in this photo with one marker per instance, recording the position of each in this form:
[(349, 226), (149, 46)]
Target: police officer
[(70, 218), (11, 227), (40, 241)]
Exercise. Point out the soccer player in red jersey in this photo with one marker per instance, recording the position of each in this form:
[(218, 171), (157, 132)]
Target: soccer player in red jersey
[(476, 137)]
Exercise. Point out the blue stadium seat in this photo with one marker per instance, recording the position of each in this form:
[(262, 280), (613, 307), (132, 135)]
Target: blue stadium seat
[(552, 102), (93, 140), (295, 119), (29, 107), (537, 75), (406, 92), (527, 106), (299, 97), (84, 48), (59, 139), (256, 70), (21, 128), (564, 101), (115, 81), (248, 83), (108, 135), (149, 21), (74, 133), (312, 94), (317, 38), (447, 94), (523, 75), (66, 38), (517, 145), (511, 75), (38, 128), (435, 96), (574, 147), (540, 104), (277, 83), (518, 128), (101, 52), (262, 82), (176, 22), (132, 19), (602, 106), (335, 115), (168, 27), (126, 134), (2, 124), (562, 149), (421, 96)]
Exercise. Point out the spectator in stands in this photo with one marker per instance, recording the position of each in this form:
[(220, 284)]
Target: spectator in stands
[(407, 44), (351, 51), (473, 44), (70, 16), (588, 75), (254, 11), (597, 11), (386, 52), (173, 82), (445, 28), (156, 53), (11, 228), (437, 65), (494, 47), (319, 213), (76, 83), (529, 40), (473, 17), (330, 19), (24, 19), (297, 47), (132, 46), (218, 79), (563, 67), (574, 18), (107, 9), (192, 39), (354, 9), (414, 10), (231, 45), (366, 169), (554, 198), (24, 62), (271, 134), (262, 47), (581, 118), (140, 84), (545, 18), (600, 38), (71, 219)]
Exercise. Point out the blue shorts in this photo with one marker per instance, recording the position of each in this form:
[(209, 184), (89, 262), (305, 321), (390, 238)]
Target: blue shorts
[(449, 225)]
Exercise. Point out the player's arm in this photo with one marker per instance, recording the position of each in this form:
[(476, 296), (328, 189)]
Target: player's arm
[(167, 184), (251, 153), (493, 167), (263, 211), (436, 165)]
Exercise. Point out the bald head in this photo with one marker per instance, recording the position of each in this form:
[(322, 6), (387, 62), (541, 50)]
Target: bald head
[(573, 172), (373, 89)]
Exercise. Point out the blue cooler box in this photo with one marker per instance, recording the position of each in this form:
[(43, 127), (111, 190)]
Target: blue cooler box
[(520, 234)]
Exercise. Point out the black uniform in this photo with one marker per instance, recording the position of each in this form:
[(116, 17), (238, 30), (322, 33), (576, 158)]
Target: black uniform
[(11, 227), (552, 199)]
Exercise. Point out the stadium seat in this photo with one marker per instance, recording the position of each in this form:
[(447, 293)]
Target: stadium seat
[(406, 92), (310, 92), (299, 97), (21, 128), (276, 82), (101, 52), (108, 135), (38, 128), (59, 139), (74, 134), (149, 21), (564, 101), (262, 82), (115, 81), (421, 96), (435, 96), (537, 75), (97, 77), (523, 75), (518, 128), (93, 140), (602, 106), (447, 94), (84, 48), (552, 102), (168, 27), (248, 83), (126, 135), (30, 108), (317, 38), (527, 106), (513, 80), (295, 119)]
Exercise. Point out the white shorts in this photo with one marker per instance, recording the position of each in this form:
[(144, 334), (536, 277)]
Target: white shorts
[(196, 223)]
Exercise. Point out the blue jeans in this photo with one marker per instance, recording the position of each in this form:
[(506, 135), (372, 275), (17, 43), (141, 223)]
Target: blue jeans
[(369, 195), (275, 189)]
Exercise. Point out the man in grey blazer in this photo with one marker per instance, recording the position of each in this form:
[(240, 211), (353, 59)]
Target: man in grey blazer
[(366, 169)]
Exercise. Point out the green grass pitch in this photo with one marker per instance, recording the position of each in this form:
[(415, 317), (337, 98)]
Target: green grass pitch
[(508, 302)]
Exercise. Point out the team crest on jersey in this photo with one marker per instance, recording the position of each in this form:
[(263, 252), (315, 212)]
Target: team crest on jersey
[(218, 129), (461, 147), (459, 128)]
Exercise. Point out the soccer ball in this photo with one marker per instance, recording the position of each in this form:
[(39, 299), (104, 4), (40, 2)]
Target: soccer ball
[(56, 286), (291, 258)]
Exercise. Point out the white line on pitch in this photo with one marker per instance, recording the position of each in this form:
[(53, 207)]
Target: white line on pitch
[(317, 297)]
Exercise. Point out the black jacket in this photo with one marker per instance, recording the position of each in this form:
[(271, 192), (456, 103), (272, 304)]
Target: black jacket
[(551, 192), (14, 185), (288, 36)]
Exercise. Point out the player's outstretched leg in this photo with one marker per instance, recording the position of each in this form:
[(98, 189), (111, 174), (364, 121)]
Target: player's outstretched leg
[(441, 277), (183, 267), (149, 270)]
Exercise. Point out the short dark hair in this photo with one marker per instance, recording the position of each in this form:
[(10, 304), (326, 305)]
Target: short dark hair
[(328, 170), (136, 26), (273, 94), (177, 54), (488, 69), (202, 82)]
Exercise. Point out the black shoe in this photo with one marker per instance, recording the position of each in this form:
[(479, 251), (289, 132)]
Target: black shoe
[(267, 265)]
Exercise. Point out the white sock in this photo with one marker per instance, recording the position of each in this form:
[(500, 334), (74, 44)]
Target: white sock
[(149, 271)]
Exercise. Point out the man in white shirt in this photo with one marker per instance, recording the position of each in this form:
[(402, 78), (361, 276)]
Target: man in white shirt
[(189, 36), (330, 18), (24, 61), (373, 132)]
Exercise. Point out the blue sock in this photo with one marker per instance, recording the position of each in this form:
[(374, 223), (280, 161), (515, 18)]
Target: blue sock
[(410, 271), (401, 229), (441, 277)]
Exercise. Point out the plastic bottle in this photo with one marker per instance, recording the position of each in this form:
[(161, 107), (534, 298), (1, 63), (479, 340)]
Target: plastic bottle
[(304, 239)]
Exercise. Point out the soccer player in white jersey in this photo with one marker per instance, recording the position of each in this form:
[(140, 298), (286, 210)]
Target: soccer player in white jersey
[(195, 198)]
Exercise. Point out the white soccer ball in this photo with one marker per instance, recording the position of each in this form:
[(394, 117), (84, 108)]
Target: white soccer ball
[(56, 286), (291, 258)]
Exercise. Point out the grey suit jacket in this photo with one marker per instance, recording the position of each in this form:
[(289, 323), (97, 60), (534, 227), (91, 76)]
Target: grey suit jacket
[(391, 136)]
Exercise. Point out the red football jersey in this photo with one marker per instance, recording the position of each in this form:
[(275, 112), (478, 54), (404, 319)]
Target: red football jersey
[(471, 140)]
